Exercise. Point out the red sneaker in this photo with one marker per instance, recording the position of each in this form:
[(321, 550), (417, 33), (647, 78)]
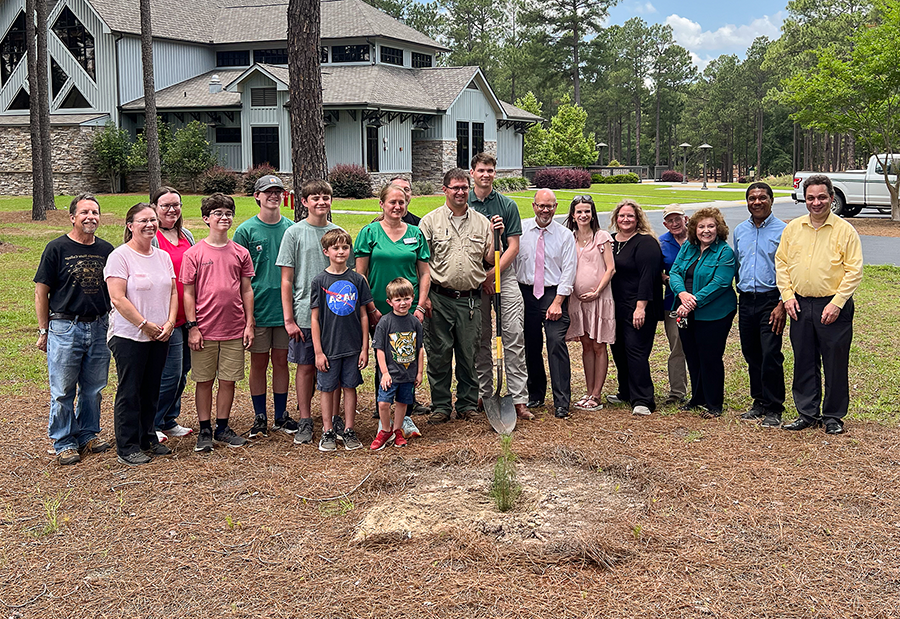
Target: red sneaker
[(399, 440), (382, 439)]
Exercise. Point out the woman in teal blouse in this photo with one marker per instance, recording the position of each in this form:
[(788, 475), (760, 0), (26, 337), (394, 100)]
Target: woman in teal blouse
[(701, 279)]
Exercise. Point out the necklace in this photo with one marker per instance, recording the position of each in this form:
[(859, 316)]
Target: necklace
[(164, 229), (584, 243), (620, 244)]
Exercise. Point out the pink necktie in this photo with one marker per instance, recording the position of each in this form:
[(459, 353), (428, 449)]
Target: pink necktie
[(539, 267)]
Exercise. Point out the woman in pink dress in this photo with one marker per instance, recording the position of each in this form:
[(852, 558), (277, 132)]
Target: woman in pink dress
[(592, 312)]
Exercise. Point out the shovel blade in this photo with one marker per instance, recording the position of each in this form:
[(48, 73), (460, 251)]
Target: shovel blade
[(501, 413)]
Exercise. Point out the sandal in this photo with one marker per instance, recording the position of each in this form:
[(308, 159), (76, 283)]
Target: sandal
[(591, 403), (582, 402)]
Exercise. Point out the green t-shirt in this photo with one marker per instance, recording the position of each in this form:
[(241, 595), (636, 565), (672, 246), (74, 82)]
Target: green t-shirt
[(389, 260), (301, 249), (263, 241), (498, 204)]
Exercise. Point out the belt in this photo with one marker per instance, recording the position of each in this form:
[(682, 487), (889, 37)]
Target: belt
[(72, 317), (456, 294), (766, 293)]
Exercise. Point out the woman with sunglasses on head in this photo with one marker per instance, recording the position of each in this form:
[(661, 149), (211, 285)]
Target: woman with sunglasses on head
[(638, 293), (592, 311), (141, 284), (174, 239)]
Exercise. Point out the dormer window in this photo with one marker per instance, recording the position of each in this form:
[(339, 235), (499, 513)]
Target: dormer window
[(233, 58), (392, 55), (350, 53), (421, 61), (271, 56)]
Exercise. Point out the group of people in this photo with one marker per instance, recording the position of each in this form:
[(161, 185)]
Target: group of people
[(306, 293)]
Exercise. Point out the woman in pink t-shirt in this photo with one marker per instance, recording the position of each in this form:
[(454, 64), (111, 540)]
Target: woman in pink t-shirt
[(592, 312), (174, 239), (141, 284)]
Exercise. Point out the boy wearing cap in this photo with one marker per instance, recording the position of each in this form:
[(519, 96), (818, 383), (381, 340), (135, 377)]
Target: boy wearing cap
[(261, 235), (675, 221)]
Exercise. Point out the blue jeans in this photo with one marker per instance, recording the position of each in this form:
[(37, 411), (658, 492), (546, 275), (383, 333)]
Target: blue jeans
[(77, 362), (174, 379)]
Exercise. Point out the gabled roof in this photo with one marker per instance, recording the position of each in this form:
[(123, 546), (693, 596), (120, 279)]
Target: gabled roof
[(194, 93), (219, 22), (517, 113)]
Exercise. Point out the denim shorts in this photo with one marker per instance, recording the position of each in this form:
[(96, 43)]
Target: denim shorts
[(342, 372), (302, 352), (403, 393)]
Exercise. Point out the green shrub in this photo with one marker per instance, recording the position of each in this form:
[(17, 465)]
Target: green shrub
[(254, 174), (511, 183), (422, 188), (110, 154), (597, 179), (782, 180), (190, 154), (350, 181), (218, 179), (615, 164)]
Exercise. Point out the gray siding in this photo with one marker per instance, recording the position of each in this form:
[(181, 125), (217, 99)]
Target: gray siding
[(395, 154), (276, 116), (173, 62), (343, 142), (509, 149), (471, 106)]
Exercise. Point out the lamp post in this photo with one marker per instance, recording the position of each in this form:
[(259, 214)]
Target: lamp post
[(684, 146), (600, 147), (705, 148)]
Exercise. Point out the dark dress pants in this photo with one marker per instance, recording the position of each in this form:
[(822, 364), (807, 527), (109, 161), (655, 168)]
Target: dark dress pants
[(762, 350), (536, 325), (817, 347), (704, 348), (139, 366), (631, 353)]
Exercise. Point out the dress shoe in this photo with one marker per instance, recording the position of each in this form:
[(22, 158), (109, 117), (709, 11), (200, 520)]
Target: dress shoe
[(522, 412), (772, 420), (754, 413), (561, 413), (535, 403), (801, 423), (833, 426)]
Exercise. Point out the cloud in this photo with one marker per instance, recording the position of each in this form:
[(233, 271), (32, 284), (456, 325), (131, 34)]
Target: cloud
[(646, 8), (728, 38)]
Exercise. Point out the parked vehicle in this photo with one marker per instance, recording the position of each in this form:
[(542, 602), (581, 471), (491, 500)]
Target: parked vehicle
[(855, 190)]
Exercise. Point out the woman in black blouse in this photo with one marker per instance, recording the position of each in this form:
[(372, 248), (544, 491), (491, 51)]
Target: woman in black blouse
[(638, 293)]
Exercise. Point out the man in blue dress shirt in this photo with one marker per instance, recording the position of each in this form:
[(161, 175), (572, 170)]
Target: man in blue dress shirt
[(761, 315)]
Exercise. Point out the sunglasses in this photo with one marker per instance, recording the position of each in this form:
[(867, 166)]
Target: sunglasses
[(578, 199)]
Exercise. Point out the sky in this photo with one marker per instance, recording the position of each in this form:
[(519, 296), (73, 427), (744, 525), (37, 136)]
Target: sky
[(708, 28)]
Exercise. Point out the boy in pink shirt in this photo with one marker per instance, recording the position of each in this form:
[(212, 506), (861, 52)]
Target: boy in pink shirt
[(218, 305)]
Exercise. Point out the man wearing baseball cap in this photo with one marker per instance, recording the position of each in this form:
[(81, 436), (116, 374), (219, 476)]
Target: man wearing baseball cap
[(675, 221), (261, 236)]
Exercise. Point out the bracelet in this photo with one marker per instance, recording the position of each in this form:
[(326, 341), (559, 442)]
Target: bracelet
[(419, 308), (371, 312), (141, 326)]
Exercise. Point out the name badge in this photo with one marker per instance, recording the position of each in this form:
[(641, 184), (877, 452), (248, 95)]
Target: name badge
[(410, 240)]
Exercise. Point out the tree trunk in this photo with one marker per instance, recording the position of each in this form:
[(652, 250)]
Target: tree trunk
[(637, 130), (151, 129), (42, 11), (759, 141), (38, 207), (307, 123), (576, 74), (658, 103)]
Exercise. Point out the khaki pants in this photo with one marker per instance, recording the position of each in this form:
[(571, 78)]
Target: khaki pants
[(678, 382), (512, 327)]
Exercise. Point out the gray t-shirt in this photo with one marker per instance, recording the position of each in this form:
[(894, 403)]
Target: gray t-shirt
[(301, 249), (340, 299), (400, 337)]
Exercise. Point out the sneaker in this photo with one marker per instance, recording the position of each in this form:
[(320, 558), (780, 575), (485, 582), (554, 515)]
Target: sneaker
[(772, 420), (382, 439), (158, 449), (93, 446), (135, 459), (615, 399), (204, 440), (286, 425), (328, 441), (228, 437), (177, 431), (399, 441), (337, 424), (640, 410), (305, 435), (754, 414), (68, 456), (161, 437), (260, 427), (350, 440)]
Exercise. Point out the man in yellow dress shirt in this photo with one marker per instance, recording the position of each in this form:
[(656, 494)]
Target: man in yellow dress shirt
[(818, 267)]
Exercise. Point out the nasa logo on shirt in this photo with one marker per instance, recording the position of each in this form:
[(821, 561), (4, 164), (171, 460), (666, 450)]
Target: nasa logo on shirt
[(342, 297)]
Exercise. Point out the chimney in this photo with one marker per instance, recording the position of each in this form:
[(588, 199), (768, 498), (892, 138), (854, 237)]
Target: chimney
[(215, 84)]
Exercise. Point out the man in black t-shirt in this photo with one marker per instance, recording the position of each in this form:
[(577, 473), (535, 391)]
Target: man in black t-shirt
[(72, 306)]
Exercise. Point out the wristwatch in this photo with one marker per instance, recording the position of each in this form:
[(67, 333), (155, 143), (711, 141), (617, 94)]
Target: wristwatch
[(42, 331), (190, 324)]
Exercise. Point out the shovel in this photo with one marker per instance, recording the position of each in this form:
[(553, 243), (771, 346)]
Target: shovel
[(500, 410)]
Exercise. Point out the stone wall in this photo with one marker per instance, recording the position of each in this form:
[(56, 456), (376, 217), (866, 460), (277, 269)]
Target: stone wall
[(432, 158), (70, 148)]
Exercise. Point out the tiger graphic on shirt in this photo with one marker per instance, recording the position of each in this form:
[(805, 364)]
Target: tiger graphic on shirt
[(403, 347)]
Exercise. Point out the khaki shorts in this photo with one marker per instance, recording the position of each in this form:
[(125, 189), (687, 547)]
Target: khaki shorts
[(267, 338), (224, 360)]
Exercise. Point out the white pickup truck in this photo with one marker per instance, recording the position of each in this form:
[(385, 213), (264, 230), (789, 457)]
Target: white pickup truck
[(855, 190)]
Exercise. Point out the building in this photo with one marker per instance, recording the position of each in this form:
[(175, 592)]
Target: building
[(387, 104)]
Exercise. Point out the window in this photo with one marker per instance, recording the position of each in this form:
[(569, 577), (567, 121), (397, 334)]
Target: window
[(233, 58), (270, 56), (323, 54), (462, 145), (58, 78), (12, 49), (228, 135), (392, 55), (77, 40), (75, 100), (21, 102), (372, 149), (350, 53), (420, 61), (265, 146), (477, 138), (263, 97)]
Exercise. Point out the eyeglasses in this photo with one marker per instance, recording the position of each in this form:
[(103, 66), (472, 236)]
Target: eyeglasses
[(144, 222), (545, 207), (221, 215), (578, 199), (458, 189), (169, 207)]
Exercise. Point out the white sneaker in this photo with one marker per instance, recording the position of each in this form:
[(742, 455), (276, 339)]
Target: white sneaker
[(177, 431), (162, 438), (640, 410)]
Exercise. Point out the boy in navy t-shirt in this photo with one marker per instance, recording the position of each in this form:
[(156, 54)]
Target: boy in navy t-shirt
[(400, 357), (340, 334)]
